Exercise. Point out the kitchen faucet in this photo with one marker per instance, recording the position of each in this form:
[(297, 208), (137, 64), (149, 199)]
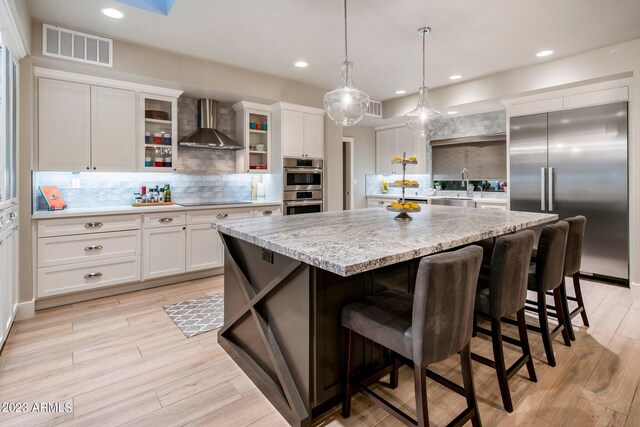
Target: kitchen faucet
[(465, 181)]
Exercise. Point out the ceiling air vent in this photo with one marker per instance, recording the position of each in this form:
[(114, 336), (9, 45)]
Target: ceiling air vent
[(76, 46), (375, 109)]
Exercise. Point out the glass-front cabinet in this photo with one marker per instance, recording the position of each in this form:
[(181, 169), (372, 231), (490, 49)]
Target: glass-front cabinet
[(159, 133), (8, 128), (253, 130)]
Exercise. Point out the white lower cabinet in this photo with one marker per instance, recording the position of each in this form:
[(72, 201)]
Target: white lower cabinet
[(378, 203), (9, 276), (204, 247), (163, 251), (83, 276)]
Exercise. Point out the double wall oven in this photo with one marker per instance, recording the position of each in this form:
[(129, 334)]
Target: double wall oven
[(302, 186)]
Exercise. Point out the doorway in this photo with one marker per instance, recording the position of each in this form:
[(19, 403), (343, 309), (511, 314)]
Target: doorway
[(347, 173)]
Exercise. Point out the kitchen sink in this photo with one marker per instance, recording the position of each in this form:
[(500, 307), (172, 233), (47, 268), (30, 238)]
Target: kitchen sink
[(455, 201)]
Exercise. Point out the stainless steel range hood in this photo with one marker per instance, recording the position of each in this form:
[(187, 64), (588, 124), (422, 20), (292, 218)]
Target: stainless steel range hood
[(207, 135)]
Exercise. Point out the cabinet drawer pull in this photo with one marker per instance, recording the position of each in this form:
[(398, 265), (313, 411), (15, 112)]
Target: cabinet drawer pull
[(93, 248), (166, 220), (93, 225), (223, 215), (92, 275), (12, 215), (267, 212)]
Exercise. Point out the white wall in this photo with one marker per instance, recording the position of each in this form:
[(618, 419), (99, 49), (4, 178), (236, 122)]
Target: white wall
[(605, 64), (364, 163)]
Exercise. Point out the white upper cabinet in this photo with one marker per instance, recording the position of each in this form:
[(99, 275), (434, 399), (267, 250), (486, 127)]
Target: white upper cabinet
[(299, 129), (313, 135), (293, 133), (113, 129), (64, 125), (92, 123), (385, 150), (396, 141)]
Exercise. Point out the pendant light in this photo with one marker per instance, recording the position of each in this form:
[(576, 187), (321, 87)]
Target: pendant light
[(423, 120), (346, 105)]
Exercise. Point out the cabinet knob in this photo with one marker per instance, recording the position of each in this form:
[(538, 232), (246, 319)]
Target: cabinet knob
[(12, 215), (93, 225), (88, 168), (92, 275), (267, 212), (94, 168), (165, 220), (93, 248), (222, 215)]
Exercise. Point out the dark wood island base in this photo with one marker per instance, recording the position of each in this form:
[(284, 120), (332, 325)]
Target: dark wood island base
[(282, 325)]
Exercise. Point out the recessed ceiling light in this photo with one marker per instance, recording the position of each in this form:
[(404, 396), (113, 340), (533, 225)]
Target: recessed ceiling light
[(455, 77), (112, 13), (543, 53), (301, 64), (452, 112), (401, 92)]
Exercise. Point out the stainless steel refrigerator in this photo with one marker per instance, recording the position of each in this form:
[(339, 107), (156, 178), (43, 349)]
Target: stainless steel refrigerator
[(574, 162)]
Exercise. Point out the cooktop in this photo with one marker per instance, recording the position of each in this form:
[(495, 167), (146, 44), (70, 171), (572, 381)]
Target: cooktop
[(224, 202)]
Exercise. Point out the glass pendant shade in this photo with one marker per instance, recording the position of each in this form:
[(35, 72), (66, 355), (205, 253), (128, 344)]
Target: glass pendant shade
[(423, 120), (346, 105)]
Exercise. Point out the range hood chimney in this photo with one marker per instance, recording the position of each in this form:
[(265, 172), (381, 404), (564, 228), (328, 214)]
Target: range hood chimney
[(207, 135)]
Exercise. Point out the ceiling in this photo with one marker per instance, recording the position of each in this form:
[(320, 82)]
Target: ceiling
[(470, 37)]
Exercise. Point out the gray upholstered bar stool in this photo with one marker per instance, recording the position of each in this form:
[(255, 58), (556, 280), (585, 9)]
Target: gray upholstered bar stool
[(503, 293), (432, 325), (546, 275), (572, 262)]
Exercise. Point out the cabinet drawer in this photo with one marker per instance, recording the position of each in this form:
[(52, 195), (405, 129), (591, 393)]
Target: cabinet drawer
[(208, 216), (64, 279), (72, 249), (86, 225), (267, 211), (164, 219)]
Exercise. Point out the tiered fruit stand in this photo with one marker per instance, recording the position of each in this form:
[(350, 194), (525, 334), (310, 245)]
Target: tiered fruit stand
[(403, 213)]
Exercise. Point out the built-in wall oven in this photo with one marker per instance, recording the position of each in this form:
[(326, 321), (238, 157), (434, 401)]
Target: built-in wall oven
[(302, 186)]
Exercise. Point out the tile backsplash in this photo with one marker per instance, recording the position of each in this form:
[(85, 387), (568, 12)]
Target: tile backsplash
[(373, 184), (97, 189)]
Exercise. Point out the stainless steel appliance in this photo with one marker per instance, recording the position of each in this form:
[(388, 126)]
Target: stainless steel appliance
[(207, 135), (574, 162), (303, 184)]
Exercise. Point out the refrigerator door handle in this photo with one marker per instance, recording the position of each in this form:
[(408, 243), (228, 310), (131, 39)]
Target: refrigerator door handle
[(542, 187), (550, 189)]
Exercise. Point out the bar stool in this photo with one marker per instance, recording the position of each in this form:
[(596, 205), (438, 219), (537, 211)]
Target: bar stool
[(503, 293), (572, 261), (547, 275), (430, 326)]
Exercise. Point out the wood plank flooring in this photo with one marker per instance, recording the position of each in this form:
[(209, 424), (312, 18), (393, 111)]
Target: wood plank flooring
[(121, 361)]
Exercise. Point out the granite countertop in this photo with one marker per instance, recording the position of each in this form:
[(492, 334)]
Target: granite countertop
[(493, 198), (118, 210), (350, 242)]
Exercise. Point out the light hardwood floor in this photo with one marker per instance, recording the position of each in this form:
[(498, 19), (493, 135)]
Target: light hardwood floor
[(120, 360)]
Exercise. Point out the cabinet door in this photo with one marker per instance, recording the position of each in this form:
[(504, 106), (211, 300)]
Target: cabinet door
[(10, 276), (113, 129), (163, 252), (407, 143), (3, 285), (64, 125), (292, 133), (204, 247), (385, 150), (314, 135)]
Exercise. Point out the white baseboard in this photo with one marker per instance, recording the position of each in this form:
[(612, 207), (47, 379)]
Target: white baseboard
[(26, 310)]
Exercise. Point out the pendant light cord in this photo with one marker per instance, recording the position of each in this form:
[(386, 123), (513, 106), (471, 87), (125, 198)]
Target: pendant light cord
[(423, 57), (346, 56)]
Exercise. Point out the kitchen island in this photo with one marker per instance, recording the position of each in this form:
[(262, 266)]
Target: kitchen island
[(287, 278)]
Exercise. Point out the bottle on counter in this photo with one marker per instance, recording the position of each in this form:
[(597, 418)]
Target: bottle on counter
[(167, 193)]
